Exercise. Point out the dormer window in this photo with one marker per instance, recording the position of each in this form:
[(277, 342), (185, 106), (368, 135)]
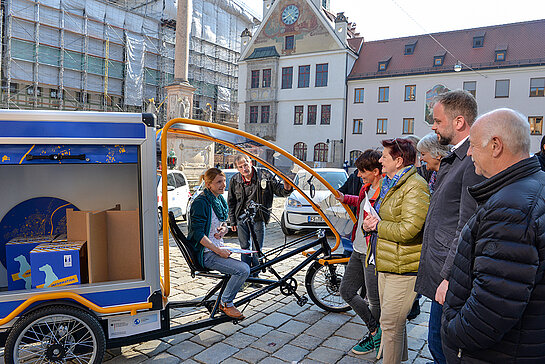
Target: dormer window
[(409, 48), (383, 65), (438, 61), (501, 52), (478, 39)]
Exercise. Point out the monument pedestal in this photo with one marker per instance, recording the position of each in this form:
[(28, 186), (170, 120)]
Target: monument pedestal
[(180, 100)]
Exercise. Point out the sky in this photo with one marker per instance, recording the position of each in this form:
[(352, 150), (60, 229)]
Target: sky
[(385, 19)]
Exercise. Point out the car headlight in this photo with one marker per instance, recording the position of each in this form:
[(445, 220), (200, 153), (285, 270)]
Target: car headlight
[(294, 203)]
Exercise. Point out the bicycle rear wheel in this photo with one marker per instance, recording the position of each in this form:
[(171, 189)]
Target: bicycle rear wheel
[(323, 284)]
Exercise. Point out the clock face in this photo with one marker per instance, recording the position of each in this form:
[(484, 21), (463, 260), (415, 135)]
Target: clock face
[(290, 14)]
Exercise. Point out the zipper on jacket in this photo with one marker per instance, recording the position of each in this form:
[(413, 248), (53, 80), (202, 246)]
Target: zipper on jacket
[(459, 353)]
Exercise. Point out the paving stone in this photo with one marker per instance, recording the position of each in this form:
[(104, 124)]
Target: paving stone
[(310, 361), (321, 329), (273, 341), (239, 340), (153, 347), (251, 355), (412, 355), (425, 353), (292, 308), (351, 330), (307, 341), (207, 338), (178, 338), (416, 344), (185, 349), (275, 319), (293, 327), (271, 308), (250, 319), (309, 316), (291, 353), (133, 357), (163, 358), (232, 360), (355, 360), (326, 355), (216, 353), (256, 330), (337, 318), (227, 328), (340, 343), (271, 360), (417, 331)]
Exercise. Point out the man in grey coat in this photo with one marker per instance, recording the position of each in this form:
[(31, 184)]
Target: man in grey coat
[(450, 207)]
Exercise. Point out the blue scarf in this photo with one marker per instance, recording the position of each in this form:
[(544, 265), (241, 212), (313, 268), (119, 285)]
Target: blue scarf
[(388, 184), (218, 204)]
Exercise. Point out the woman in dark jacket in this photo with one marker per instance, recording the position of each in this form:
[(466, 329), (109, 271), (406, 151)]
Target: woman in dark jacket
[(206, 230)]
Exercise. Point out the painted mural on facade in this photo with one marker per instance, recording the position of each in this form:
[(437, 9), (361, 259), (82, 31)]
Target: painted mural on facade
[(430, 95)]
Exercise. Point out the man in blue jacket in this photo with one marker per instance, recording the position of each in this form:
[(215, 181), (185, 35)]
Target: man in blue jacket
[(493, 311)]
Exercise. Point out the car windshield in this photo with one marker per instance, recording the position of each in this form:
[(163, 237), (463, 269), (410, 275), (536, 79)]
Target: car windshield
[(335, 178)]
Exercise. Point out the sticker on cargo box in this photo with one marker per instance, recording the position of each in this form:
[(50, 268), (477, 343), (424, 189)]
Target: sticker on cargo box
[(127, 325)]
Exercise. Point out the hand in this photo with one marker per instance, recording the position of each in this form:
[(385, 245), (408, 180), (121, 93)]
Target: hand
[(441, 292), (222, 230), (224, 253), (340, 197), (233, 228), (370, 223)]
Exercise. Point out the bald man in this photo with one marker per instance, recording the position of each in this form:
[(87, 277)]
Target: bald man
[(494, 307)]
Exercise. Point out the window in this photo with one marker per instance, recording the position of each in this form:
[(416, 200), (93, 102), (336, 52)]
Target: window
[(410, 92), (383, 65), (325, 117), (300, 151), (180, 180), (311, 114), (298, 115), (289, 43), (267, 78), (53, 93), (354, 154), (536, 124), (265, 111), (357, 126), (409, 48), (438, 61), (382, 126), (287, 77), (383, 94), (478, 42), (254, 113), (358, 96), (500, 56), (471, 87), (537, 87), (408, 126), (255, 79), (304, 76), (502, 88), (321, 75), (320, 152)]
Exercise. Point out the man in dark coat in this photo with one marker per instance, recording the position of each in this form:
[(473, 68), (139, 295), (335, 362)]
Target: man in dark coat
[(352, 186), (450, 207), (493, 311), (541, 154)]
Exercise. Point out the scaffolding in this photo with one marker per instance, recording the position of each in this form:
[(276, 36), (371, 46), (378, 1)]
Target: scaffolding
[(117, 55)]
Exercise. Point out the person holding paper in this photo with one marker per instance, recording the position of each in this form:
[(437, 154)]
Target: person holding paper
[(206, 230), (358, 274), (402, 205)]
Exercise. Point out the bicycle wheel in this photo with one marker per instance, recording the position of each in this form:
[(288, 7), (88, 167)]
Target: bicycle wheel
[(56, 334), (323, 284)]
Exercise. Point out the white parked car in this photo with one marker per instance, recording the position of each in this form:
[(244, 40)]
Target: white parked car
[(298, 213), (178, 195)]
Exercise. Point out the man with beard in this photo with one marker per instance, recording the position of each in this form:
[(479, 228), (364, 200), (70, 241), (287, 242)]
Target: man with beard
[(450, 207)]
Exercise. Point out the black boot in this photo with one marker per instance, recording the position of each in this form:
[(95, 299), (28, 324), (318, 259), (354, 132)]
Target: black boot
[(415, 310)]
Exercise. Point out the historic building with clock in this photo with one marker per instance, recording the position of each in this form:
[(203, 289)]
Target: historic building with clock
[(292, 78)]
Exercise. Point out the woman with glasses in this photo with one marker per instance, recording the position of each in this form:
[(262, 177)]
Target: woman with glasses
[(431, 153), (396, 240)]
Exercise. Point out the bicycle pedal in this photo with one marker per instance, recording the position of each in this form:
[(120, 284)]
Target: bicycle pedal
[(302, 301)]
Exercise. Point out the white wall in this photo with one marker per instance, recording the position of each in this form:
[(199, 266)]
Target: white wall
[(397, 109)]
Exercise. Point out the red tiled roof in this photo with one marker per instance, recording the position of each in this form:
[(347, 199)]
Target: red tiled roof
[(525, 42), (355, 43)]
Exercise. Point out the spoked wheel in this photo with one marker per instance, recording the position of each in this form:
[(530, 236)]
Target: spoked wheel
[(56, 334), (323, 284)]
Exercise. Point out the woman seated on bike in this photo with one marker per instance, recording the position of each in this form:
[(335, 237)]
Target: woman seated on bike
[(358, 273), (206, 230), (402, 206)]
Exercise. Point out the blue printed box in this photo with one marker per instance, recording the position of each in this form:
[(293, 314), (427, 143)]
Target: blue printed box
[(58, 264), (18, 261)]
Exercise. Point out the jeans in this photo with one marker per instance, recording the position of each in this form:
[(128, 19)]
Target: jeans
[(434, 333), (244, 240), (238, 270), (357, 276)]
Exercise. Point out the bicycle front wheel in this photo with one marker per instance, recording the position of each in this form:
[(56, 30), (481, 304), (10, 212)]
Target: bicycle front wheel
[(323, 284)]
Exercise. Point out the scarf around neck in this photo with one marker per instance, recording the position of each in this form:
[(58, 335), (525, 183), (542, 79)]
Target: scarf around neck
[(219, 205), (388, 184)]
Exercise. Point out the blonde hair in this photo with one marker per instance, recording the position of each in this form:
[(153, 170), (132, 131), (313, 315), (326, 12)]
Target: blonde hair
[(210, 175)]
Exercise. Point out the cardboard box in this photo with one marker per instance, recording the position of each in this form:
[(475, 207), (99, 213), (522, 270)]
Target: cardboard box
[(113, 242), (18, 261), (58, 264)]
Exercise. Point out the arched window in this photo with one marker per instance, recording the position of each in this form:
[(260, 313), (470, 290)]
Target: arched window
[(320, 152), (353, 156), (300, 151)]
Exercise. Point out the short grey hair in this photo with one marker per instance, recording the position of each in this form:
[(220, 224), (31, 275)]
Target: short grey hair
[(510, 126), (240, 157), (430, 144)]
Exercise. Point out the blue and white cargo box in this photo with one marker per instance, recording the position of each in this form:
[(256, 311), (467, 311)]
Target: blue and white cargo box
[(18, 261), (58, 264)]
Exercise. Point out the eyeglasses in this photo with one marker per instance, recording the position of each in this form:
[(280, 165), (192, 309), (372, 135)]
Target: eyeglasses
[(398, 146)]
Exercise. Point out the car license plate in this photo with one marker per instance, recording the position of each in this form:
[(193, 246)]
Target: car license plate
[(315, 219)]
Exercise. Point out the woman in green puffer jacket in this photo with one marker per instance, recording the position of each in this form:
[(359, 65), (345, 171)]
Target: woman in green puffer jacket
[(402, 207)]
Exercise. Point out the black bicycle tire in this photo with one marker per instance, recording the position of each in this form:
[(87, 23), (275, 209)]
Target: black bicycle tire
[(309, 280)]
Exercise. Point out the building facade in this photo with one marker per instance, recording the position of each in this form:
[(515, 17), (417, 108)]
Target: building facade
[(292, 80), (391, 86)]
